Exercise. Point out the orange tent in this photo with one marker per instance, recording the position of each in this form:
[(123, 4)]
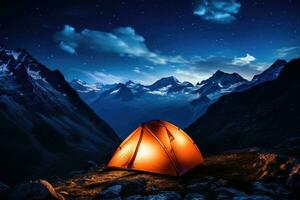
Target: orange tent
[(157, 146)]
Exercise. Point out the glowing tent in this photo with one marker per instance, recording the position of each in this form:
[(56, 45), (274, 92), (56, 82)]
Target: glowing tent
[(157, 146)]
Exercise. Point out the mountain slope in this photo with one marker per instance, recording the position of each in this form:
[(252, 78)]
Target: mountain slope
[(269, 74), (43, 121), (265, 116)]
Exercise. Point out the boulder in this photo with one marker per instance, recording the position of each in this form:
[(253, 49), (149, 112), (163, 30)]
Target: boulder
[(111, 192), (122, 188), (134, 197), (198, 186), (38, 190), (269, 189), (194, 196), (293, 180), (253, 197), (167, 195), (225, 193)]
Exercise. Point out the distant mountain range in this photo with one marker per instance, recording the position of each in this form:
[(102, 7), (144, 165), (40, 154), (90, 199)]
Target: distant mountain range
[(267, 115), (167, 98), (44, 126)]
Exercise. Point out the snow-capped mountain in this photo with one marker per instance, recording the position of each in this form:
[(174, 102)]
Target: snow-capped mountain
[(269, 74), (84, 87), (167, 98), (120, 91), (219, 83), (43, 120), (169, 85)]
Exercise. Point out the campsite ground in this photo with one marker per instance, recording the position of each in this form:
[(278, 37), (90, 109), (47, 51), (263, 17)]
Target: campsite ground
[(233, 175), (239, 175)]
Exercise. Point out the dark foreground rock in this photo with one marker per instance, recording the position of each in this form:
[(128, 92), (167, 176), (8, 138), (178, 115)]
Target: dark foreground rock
[(37, 190)]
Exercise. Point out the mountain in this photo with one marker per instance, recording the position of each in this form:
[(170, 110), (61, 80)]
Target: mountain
[(167, 99), (266, 116), (83, 87), (88, 92), (120, 91), (169, 85), (43, 121), (220, 83), (269, 74)]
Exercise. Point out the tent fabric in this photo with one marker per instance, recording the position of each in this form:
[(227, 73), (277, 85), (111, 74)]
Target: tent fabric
[(159, 147)]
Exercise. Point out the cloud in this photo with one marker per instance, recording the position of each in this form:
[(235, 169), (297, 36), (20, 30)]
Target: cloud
[(122, 41), (149, 67), (101, 77), (146, 77), (218, 11), (285, 51), (137, 70), (67, 47), (243, 60)]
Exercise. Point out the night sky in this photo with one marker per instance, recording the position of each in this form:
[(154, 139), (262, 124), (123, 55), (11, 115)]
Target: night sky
[(114, 41)]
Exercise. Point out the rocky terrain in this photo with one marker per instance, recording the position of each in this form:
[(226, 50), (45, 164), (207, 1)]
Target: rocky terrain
[(232, 175)]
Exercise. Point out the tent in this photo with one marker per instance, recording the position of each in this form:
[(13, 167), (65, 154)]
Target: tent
[(159, 147)]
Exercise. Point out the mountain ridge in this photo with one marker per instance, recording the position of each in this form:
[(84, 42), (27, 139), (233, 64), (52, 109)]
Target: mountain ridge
[(265, 115), (52, 123)]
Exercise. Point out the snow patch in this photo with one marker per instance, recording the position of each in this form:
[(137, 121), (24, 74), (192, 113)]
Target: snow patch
[(35, 75), (157, 92), (3, 68), (13, 53), (115, 91)]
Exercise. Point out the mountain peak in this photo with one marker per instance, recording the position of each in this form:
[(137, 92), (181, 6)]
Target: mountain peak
[(165, 81), (130, 83), (219, 72), (280, 62), (170, 78)]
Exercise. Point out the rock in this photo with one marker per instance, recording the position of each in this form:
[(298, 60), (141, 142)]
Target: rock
[(198, 187), (293, 180), (38, 190), (164, 196), (221, 182), (134, 197), (268, 159), (269, 189), (260, 188), (111, 192), (120, 189), (224, 192), (253, 197), (217, 184), (194, 196), (133, 187)]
